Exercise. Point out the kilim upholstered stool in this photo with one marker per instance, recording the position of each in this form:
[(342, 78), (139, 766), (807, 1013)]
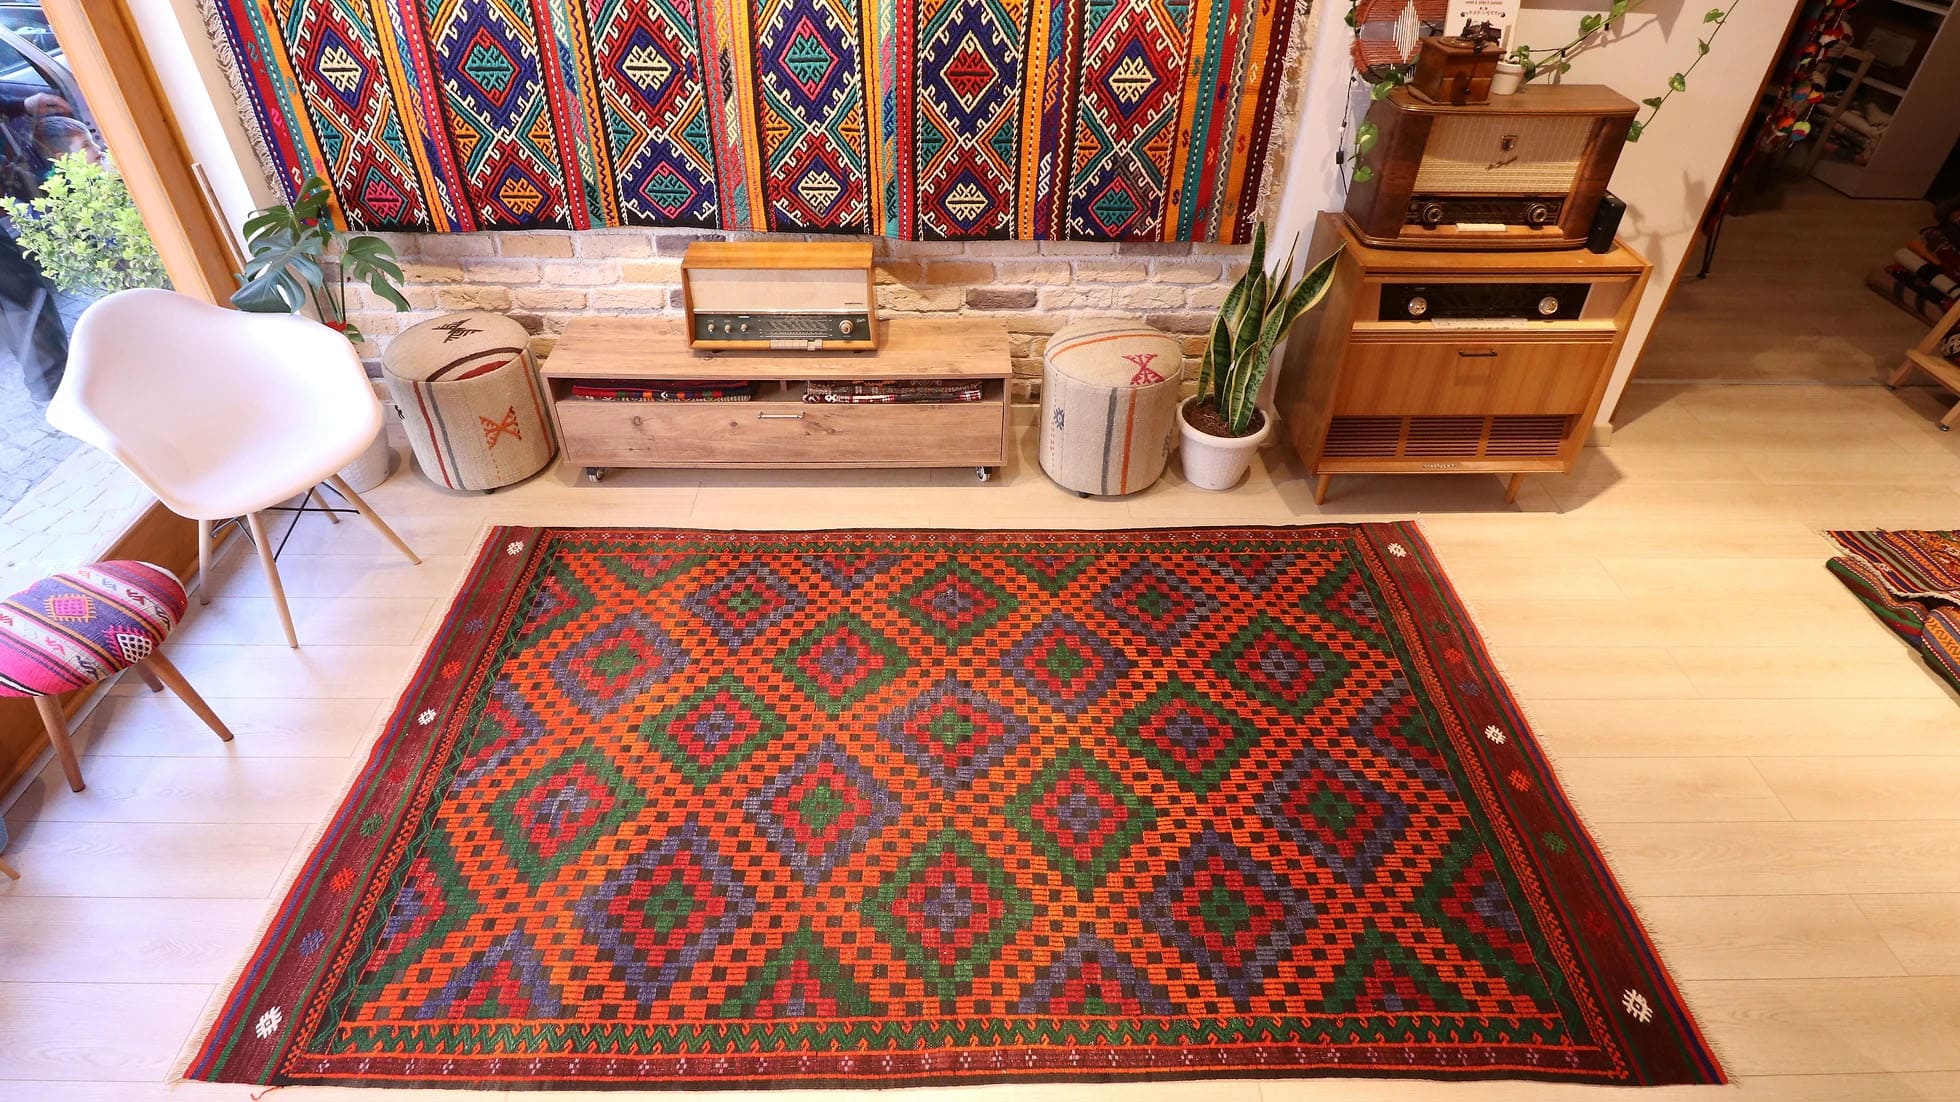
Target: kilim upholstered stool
[(471, 400), (1108, 406), (69, 631)]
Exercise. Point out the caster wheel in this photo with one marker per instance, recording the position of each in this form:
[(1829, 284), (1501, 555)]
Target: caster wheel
[(982, 474), (595, 474), (1081, 493), (1889, 386), (1946, 428)]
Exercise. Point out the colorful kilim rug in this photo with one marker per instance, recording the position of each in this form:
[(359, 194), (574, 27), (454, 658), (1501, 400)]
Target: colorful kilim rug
[(1130, 120), (1910, 579), (864, 808)]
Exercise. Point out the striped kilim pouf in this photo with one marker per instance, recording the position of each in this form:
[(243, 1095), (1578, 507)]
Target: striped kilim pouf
[(69, 631), (1108, 405), (471, 400)]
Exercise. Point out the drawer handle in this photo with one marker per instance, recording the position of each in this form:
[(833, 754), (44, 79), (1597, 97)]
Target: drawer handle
[(797, 416), (1477, 353)]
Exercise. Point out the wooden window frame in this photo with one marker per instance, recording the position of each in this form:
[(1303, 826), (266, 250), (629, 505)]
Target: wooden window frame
[(104, 49)]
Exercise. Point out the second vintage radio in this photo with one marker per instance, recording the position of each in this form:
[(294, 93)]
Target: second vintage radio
[(1524, 171)]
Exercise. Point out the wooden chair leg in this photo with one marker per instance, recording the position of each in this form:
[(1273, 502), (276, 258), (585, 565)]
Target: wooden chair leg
[(149, 677), (272, 577), (168, 673), (340, 486), (57, 725), (7, 869), (321, 500), (204, 562)]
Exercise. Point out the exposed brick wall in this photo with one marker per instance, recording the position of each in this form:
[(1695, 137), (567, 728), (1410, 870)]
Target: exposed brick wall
[(546, 278)]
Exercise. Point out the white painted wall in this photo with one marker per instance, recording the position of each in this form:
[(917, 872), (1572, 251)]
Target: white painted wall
[(1666, 178)]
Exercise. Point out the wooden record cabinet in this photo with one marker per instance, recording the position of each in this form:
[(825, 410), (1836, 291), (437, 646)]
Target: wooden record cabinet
[(1423, 362)]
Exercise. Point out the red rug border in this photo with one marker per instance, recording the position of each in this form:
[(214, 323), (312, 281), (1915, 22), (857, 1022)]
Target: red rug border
[(1398, 553)]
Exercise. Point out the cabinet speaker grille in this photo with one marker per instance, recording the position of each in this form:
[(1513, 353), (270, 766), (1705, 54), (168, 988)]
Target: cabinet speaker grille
[(1502, 437)]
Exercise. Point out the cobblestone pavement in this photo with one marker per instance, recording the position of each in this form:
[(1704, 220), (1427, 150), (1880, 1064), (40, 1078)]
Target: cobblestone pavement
[(29, 446)]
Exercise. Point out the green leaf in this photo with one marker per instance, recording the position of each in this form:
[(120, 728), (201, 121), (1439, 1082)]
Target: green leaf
[(1715, 15), (1591, 23), (1564, 67), (1618, 9), (1703, 44), (1678, 82), (1380, 89), (1652, 101), (1365, 136), (1633, 131), (1363, 174)]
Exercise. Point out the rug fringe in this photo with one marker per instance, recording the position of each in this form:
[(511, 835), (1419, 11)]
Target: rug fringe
[(241, 95), (315, 831)]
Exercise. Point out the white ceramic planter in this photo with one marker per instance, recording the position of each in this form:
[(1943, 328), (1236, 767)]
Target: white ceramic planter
[(1217, 462), (371, 468), (1508, 79)]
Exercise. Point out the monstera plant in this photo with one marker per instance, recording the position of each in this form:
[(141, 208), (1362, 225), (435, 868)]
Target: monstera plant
[(287, 271), (1223, 424)]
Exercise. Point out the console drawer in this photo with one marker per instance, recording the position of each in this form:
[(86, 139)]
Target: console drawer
[(782, 434), (1405, 378)]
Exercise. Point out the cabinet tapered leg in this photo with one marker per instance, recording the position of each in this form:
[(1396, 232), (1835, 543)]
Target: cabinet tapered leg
[(1511, 489), (1320, 488)]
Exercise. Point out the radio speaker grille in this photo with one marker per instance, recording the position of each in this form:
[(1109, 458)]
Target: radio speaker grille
[(1503, 437), (1467, 156)]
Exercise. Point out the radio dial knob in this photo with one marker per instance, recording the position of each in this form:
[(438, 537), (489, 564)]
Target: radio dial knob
[(1418, 306), (1430, 214), (1548, 306), (745, 327), (1538, 214), (844, 326)]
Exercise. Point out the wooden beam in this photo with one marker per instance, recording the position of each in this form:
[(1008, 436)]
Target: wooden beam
[(101, 44)]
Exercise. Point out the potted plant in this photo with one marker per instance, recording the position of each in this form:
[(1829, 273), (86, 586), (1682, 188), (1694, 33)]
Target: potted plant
[(1222, 425), (287, 273), (83, 232)]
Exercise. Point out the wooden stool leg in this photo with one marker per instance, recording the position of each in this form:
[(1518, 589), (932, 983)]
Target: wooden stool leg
[(340, 485), (8, 869), (1320, 488), (171, 677), (272, 577), (149, 678), (204, 562), (1511, 489), (1900, 374), (1952, 417), (57, 725)]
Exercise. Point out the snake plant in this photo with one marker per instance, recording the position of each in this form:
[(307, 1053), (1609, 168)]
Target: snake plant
[(1258, 311)]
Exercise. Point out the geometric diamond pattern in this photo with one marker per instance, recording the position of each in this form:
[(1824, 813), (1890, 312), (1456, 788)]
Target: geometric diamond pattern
[(705, 809)]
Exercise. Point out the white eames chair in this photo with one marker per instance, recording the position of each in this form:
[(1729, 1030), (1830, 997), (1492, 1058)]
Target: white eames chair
[(220, 413)]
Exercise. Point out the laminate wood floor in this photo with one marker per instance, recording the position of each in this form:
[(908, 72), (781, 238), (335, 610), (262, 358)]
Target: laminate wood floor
[(1805, 254), (1770, 773)]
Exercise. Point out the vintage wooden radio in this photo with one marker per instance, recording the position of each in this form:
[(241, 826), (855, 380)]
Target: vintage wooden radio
[(1524, 171), (779, 295)]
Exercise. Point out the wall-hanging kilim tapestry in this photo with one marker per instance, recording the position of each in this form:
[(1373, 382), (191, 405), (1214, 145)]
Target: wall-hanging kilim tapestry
[(668, 808), (1134, 120)]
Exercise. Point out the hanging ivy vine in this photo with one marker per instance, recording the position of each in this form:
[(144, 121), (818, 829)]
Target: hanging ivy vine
[(1535, 63)]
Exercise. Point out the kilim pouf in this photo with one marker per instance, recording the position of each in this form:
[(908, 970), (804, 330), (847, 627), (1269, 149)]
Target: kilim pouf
[(471, 400), (1108, 405), (867, 808)]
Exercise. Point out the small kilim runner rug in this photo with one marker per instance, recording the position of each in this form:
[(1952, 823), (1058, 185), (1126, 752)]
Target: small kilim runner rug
[(1911, 580), (864, 808)]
